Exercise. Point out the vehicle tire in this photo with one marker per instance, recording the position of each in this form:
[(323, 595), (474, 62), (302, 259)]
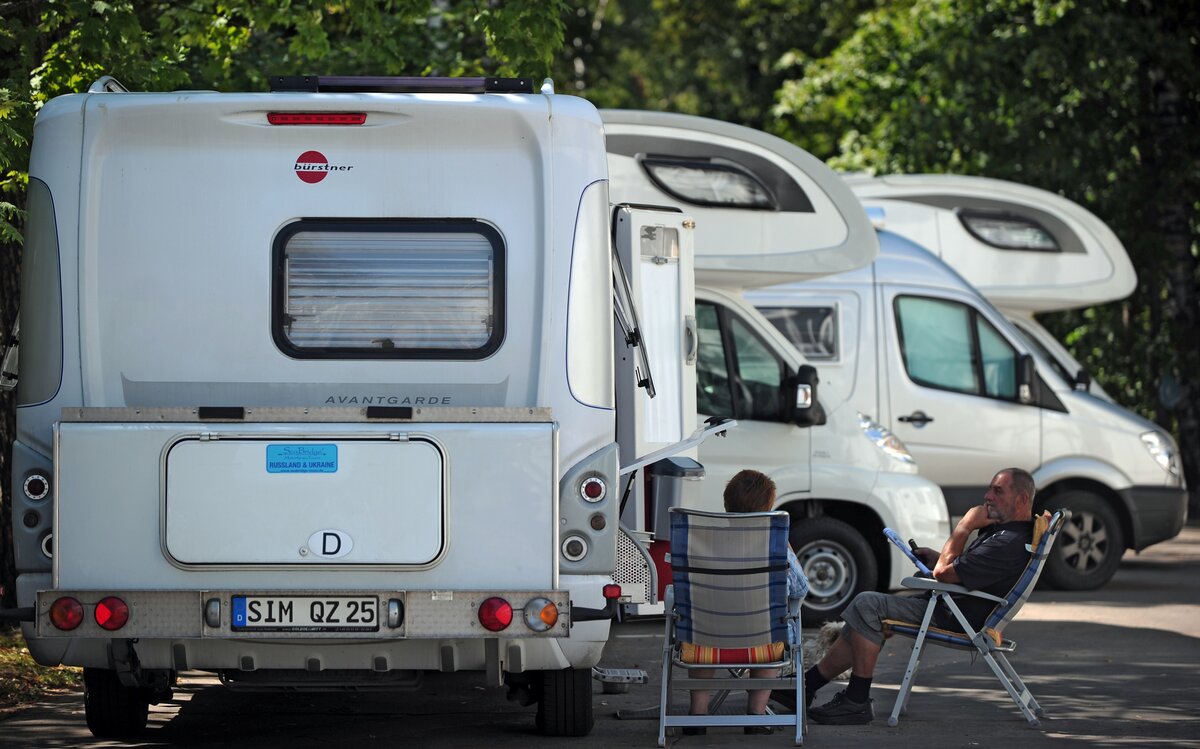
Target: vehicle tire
[(565, 702), (1089, 548), (113, 710), (837, 562)]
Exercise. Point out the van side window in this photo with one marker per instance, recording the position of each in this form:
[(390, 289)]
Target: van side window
[(713, 395), (950, 346), (759, 376), (737, 375), (383, 289), (812, 330)]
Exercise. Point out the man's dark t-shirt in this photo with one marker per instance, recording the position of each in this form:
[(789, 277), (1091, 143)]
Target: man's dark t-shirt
[(992, 563)]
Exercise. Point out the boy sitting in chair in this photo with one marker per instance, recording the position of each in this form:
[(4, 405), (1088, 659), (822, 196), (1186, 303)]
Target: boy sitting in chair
[(752, 491)]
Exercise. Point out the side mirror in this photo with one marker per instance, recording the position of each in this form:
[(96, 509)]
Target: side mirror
[(801, 393), (1083, 380), (1026, 379)]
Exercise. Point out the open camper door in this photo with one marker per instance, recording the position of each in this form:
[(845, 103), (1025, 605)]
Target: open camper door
[(1024, 249), (656, 378), (768, 211)]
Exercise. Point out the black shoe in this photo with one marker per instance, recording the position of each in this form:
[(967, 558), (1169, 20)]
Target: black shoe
[(843, 712), (694, 730), (785, 698), (758, 730)]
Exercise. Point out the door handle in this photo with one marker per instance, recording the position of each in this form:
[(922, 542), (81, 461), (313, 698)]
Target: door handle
[(916, 418), (691, 341)]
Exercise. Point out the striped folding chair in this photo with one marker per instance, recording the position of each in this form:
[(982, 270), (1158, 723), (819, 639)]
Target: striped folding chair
[(728, 609), (989, 642)]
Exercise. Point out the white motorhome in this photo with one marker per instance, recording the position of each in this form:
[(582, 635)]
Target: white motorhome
[(1026, 250), (910, 340), (768, 211), (318, 390)]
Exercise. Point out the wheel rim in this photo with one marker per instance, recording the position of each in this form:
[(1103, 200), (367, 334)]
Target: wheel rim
[(831, 573), (1084, 544)]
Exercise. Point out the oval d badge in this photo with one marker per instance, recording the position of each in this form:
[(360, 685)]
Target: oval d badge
[(330, 544)]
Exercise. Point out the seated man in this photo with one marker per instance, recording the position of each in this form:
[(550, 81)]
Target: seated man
[(993, 563)]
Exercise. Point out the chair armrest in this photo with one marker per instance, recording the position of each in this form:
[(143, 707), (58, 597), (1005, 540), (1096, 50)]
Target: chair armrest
[(922, 583)]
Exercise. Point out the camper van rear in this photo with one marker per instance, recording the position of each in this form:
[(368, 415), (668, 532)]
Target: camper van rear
[(318, 387)]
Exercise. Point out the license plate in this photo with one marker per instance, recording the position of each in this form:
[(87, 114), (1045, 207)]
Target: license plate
[(306, 613)]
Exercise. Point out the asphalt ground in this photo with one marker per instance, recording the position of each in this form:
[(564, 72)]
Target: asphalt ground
[(1116, 667)]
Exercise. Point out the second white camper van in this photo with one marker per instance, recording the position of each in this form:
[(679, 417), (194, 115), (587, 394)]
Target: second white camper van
[(910, 340), (767, 211)]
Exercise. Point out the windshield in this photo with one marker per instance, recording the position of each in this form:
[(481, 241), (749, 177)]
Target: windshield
[(1030, 340)]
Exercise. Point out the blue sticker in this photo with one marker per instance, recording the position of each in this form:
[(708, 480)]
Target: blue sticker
[(302, 459)]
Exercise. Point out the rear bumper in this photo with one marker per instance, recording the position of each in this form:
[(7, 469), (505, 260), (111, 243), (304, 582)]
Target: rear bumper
[(397, 614), (1158, 513)]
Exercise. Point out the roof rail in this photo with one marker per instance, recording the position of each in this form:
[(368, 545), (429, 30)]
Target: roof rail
[(106, 83), (399, 84)]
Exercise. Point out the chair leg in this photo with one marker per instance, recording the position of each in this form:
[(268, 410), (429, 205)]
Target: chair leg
[(664, 699), (912, 681), (798, 676), (1022, 698), (1020, 685), (906, 685), (1026, 696), (914, 662)]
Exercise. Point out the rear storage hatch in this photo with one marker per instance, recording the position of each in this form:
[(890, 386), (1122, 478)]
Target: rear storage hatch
[(454, 498), (276, 501)]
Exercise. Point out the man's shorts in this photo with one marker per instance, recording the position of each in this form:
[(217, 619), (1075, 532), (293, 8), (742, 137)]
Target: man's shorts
[(866, 612)]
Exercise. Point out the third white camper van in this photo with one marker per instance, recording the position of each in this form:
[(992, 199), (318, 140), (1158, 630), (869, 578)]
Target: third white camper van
[(767, 211), (910, 340)]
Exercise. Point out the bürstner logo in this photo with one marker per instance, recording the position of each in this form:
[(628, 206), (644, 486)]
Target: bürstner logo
[(312, 167)]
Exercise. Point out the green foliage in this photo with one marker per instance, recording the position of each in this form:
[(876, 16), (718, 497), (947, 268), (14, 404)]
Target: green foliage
[(1097, 101), (714, 58), (61, 46)]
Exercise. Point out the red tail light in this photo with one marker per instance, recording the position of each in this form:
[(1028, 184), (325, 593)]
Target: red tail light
[(316, 118), (66, 613), (593, 489), (495, 614), (612, 591), (111, 613)]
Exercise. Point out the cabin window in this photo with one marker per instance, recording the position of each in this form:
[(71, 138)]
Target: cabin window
[(590, 303), (41, 352), (737, 374), (713, 394), (950, 346), (389, 289), (812, 330), (709, 183), (1008, 232)]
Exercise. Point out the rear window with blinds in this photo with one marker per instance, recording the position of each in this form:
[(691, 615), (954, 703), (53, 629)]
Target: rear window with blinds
[(405, 289)]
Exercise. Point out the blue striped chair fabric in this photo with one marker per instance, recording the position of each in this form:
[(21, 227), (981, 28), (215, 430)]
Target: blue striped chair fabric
[(728, 595)]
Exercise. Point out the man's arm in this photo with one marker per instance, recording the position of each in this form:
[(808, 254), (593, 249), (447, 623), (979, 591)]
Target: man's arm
[(975, 519)]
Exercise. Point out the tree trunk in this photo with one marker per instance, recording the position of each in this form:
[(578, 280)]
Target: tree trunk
[(10, 271)]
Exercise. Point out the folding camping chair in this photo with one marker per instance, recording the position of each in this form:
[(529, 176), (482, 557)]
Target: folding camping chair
[(728, 609), (989, 643)]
